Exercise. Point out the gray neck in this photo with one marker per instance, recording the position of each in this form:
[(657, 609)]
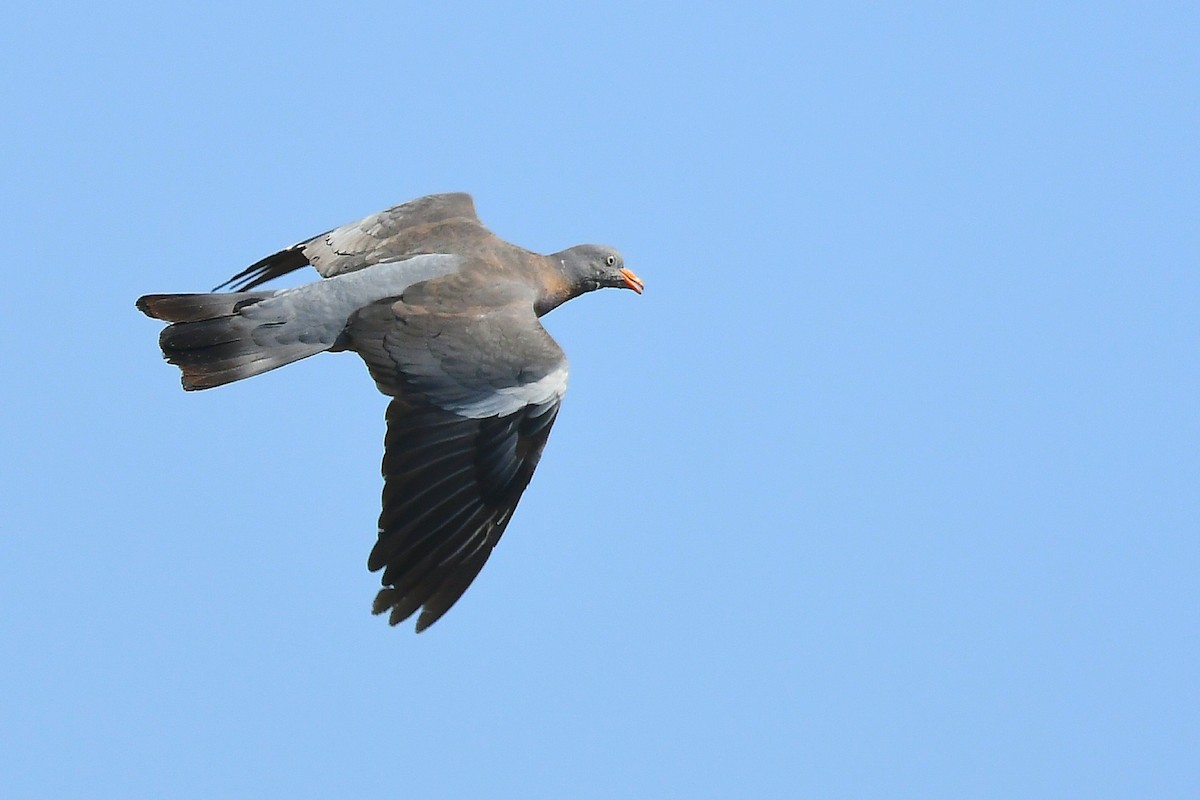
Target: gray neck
[(561, 284), (575, 266)]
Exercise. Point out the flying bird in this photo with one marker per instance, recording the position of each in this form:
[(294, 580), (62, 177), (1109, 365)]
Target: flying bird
[(445, 315)]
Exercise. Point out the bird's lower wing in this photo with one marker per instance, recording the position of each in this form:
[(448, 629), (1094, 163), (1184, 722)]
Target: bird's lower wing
[(475, 396)]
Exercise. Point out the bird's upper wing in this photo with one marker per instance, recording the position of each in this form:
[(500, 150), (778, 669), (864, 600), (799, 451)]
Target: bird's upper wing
[(400, 231), (475, 393)]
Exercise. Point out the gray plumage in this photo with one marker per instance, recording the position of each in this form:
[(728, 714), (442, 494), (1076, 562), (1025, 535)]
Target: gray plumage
[(445, 315)]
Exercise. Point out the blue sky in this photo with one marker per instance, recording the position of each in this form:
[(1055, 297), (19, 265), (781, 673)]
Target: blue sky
[(885, 488)]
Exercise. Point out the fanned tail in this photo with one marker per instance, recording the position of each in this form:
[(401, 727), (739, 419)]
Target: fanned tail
[(221, 338)]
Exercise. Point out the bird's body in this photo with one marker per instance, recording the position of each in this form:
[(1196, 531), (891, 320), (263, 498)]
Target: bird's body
[(445, 314)]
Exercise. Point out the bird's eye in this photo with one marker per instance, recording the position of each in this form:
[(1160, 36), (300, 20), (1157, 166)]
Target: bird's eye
[(610, 260)]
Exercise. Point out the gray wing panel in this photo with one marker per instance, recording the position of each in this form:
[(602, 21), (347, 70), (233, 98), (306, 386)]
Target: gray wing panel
[(317, 313)]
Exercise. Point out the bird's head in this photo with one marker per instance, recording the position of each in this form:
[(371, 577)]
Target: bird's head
[(593, 266)]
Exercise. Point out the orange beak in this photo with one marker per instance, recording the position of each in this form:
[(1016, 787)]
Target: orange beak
[(632, 281)]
